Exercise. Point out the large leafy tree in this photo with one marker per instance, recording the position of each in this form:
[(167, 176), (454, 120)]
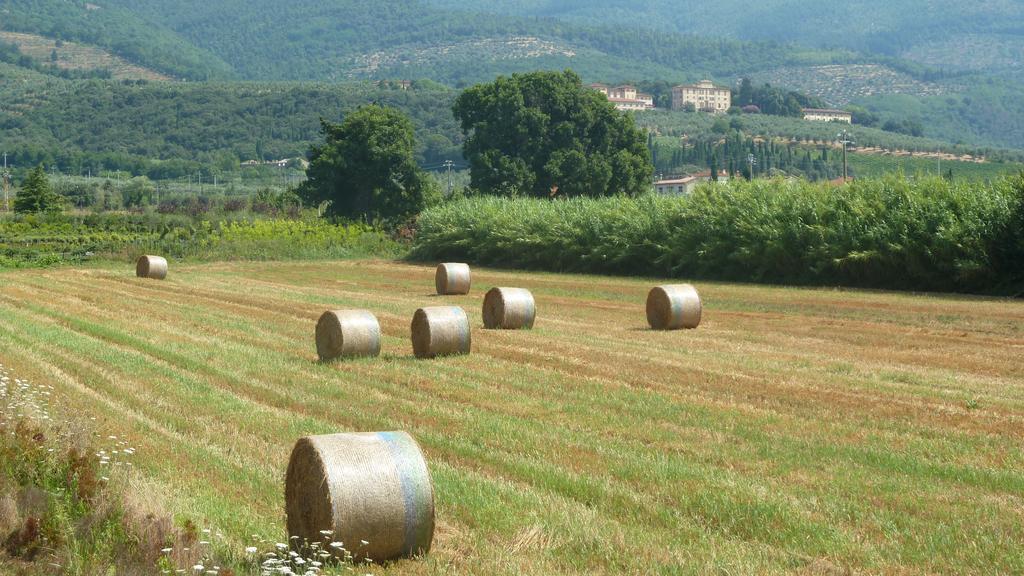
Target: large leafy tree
[(544, 134), (365, 167), (36, 195)]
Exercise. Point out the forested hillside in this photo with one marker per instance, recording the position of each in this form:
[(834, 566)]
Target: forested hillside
[(948, 33), (606, 40), (147, 43), (351, 39), (167, 130)]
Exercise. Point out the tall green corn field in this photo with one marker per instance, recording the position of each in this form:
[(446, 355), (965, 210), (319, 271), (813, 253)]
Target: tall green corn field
[(926, 234)]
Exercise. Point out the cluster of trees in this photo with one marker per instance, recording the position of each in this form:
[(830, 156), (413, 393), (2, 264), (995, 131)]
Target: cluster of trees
[(733, 152), (540, 134), (38, 195), (767, 99)]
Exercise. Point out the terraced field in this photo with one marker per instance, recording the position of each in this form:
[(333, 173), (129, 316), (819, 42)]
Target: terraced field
[(75, 56), (797, 430)]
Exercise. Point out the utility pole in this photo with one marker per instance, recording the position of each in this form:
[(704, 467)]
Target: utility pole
[(7, 186), (752, 161), (845, 138), (448, 164)]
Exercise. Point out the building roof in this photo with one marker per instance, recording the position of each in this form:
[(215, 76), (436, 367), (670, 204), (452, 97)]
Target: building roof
[(691, 178), (675, 181), (701, 84), (826, 111), (598, 85)]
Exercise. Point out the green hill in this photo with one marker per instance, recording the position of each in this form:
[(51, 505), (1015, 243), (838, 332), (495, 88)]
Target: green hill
[(946, 33), (604, 40), (177, 128), (346, 39), (117, 30)]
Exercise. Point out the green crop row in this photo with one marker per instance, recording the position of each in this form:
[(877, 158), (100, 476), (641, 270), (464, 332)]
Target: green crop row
[(42, 241), (925, 234)]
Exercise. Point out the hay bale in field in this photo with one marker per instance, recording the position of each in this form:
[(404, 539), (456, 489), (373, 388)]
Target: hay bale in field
[(509, 308), (440, 331), (452, 278), (347, 334), (151, 267), (673, 307), (373, 487)]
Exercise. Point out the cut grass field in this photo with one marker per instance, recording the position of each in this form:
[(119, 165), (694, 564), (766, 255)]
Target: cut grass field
[(796, 430)]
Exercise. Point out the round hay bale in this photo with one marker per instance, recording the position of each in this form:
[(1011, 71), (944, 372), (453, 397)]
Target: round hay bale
[(509, 309), (347, 334), (673, 307), (151, 267), (452, 278), (440, 331), (373, 487)]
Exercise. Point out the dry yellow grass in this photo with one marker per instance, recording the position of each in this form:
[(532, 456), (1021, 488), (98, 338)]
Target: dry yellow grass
[(796, 430)]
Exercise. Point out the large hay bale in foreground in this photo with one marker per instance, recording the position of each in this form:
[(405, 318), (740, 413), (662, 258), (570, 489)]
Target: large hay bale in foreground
[(452, 278), (440, 331), (347, 334), (673, 307), (151, 267), (509, 308), (373, 487)]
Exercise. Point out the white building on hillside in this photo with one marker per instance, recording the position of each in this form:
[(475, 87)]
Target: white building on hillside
[(826, 115), (625, 97)]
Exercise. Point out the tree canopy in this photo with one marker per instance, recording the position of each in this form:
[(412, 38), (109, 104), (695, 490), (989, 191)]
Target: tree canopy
[(36, 195), (365, 167), (544, 133)]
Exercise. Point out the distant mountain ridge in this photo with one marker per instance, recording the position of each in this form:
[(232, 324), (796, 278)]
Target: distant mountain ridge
[(603, 40), (915, 29), (335, 40)]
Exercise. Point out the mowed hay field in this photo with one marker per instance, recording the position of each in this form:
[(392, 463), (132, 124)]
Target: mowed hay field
[(796, 430)]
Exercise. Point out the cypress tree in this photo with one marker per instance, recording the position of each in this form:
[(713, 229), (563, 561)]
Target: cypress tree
[(36, 195)]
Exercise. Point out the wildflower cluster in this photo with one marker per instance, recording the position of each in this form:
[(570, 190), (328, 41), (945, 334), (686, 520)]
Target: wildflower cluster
[(22, 400), (316, 558)]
